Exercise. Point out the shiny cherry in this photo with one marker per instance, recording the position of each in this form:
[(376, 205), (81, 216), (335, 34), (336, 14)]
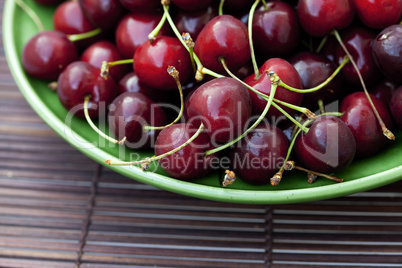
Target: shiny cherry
[(223, 105), (188, 163), (395, 106), (223, 37), (259, 155), (319, 17), (47, 54), (327, 147), (383, 90), (359, 117), (79, 80), (378, 14), (129, 113)]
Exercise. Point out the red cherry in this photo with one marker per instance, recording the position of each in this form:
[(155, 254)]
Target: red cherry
[(188, 163), (223, 37), (384, 90), (319, 17), (46, 55), (395, 106), (79, 80), (378, 14), (152, 59)]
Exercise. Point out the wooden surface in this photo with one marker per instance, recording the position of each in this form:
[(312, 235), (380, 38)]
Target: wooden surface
[(60, 209)]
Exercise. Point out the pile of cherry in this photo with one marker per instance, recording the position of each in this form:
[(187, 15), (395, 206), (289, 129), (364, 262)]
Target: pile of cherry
[(140, 58)]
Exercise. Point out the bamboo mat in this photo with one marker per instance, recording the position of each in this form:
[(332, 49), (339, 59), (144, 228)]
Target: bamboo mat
[(60, 209)]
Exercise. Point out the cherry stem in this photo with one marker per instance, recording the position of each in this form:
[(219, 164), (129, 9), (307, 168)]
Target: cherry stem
[(290, 165), (154, 158), (104, 71), (294, 121), (229, 179), (321, 45), (175, 74), (385, 130), (300, 109), (190, 44), (323, 84), (152, 35), (321, 106), (264, 4), (82, 36), (95, 128), (256, 123), (29, 11), (220, 9), (250, 39)]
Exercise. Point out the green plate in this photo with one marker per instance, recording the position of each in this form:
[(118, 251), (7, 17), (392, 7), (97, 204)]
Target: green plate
[(362, 175)]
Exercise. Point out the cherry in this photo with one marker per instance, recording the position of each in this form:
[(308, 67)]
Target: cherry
[(145, 5), (358, 41), (79, 80), (105, 51), (188, 163), (258, 156), (128, 113), (133, 29), (223, 37), (192, 5), (395, 106), (378, 14), (384, 90), (319, 17), (313, 70), (276, 31), (104, 14), (327, 147), (360, 118), (193, 22), (47, 53), (288, 75), (151, 60), (223, 105), (387, 51)]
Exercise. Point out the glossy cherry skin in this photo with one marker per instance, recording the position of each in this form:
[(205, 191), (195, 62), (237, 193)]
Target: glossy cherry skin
[(288, 75), (129, 113), (378, 14), (224, 36), (319, 17), (104, 14), (223, 105), (188, 163), (395, 106), (79, 80), (192, 5), (144, 5), (359, 117), (258, 156), (387, 51), (327, 147), (383, 90), (193, 22), (133, 30), (47, 54), (276, 31), (152, 59), (358, 41), (102, 51), (313, 70)]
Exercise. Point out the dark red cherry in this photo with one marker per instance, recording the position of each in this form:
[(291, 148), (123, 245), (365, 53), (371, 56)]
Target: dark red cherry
[(133, 30), (104, 14), (136, 5), (276, 31), (327, 147), (47, 54), (395, 106), (319, 17), (192, 5), (129, 113), (383, 90), (223, 37), (259, 155), (102, 51), (223, 105), (287, 74), (79, 80), (359, 117), (358, 41), (313, 70), (188, 163), (387, 51), (378, 14), (193, 22), (152, 59)]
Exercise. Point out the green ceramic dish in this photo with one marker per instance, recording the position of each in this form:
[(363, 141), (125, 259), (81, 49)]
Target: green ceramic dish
[(362, 175)]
